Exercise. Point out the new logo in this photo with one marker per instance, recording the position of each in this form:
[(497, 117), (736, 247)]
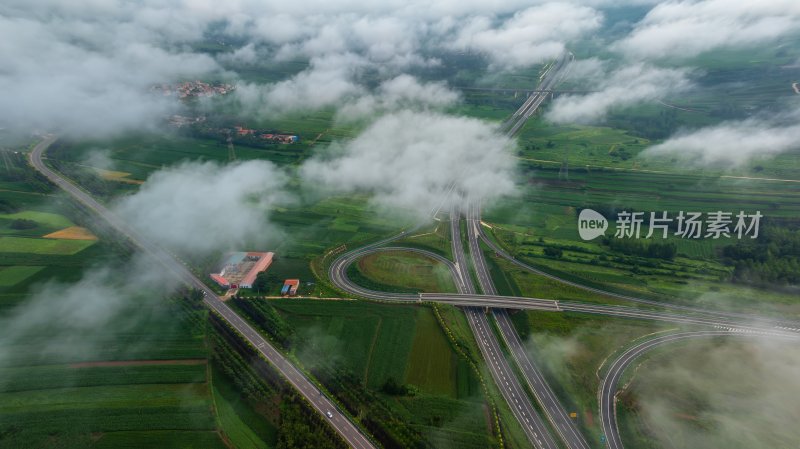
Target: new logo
[(591, 224)]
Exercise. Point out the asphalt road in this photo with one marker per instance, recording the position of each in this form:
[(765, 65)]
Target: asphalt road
[(507, 381), (558, 417), (693, 310), (351, 434), (552, 77), (501, 371), (555, 413), (610, 384)]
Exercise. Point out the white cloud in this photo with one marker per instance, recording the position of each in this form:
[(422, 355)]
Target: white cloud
[(76, 317), (81, 77), (401, 92), (530, 36), (410, 160), (627, 86), (734, 143), (326, 83), (691, 27), (198, 208)]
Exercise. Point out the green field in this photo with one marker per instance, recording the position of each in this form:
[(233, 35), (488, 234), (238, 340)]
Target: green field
[(238, 420), (12, 275), (48, 219), (78, 396), (378, 342), (733, 393), (545, 216), (174, 439), (42, 246), (571, 348), (406, 270), (432, 365), (374, 341)]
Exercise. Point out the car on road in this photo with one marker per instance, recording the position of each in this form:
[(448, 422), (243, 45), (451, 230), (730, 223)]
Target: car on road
[(330, 415)]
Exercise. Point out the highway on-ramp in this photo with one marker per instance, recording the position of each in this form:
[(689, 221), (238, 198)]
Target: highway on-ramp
[(349, 432), (610, 383)]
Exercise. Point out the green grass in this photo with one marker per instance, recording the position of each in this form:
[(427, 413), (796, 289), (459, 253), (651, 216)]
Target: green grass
[(407, 270), (432, 366), (43, 246), (13, 275), (242, 426), (167, 439), (43, 218), (570, 348)]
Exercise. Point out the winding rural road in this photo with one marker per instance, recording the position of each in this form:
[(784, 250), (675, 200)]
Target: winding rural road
[(340, 422)]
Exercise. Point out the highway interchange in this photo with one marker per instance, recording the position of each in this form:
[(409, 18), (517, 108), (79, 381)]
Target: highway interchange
[(731, 323), (474, 305)]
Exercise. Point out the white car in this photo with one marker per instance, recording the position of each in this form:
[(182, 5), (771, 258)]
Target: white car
[(330, 415)]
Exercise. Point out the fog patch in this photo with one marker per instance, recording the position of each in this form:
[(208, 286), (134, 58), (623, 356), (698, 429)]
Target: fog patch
[(733, 144), (99, 158), (682, 29), (197, 208), (416, 161), (401, 92), (624, 87), (530, 36), (723, 393), (76, 317)]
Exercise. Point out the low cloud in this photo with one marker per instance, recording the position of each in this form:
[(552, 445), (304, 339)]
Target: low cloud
[(199, 207), (412, 161), (401, 92), (715, 387), (99, 158), (79, 77), (326, 83), (530, 36), (734, 143), (678, 29), (75, 317), (627, 86)]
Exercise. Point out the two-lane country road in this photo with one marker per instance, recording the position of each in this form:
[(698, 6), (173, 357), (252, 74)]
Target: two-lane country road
[(349, 432)]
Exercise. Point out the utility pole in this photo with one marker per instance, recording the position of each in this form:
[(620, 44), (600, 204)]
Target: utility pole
[(231, 152)]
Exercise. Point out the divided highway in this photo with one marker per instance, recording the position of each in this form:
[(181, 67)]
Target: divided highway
[(550, 78), (349, 432), (501, 371), (555, 413)]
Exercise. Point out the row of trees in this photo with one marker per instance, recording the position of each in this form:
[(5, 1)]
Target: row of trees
[(771, 260), (653, 250)]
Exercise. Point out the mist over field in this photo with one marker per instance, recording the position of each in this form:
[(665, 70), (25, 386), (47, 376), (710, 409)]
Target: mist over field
[(734, 392), (348, 121)]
